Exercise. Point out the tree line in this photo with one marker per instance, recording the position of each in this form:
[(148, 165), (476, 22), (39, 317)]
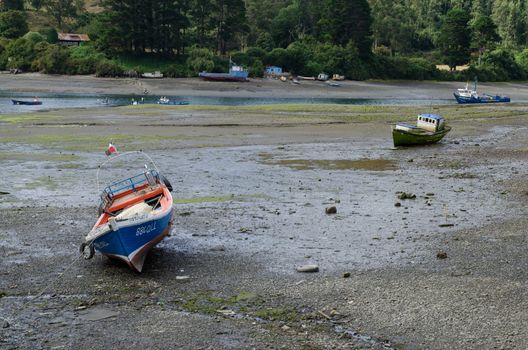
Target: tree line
[(357, 38)]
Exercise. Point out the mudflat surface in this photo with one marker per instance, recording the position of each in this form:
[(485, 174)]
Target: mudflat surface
[(445, 270), (256, 87)]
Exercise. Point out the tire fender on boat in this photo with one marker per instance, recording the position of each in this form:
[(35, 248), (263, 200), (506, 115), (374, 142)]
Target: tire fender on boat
[(166, 182), (87, 250)]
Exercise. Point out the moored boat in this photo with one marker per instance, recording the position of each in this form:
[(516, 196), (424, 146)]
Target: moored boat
[(152, 75), (429, 128), (467, 95), (34, 102), (236, 73), (167, 101), (135, 213)]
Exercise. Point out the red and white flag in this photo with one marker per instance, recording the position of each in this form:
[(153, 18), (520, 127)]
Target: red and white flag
[(111, 149)]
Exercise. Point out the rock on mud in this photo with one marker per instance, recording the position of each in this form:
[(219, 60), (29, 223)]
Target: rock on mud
[(406, 195), (331, 210), (308, 268), (441, 254)]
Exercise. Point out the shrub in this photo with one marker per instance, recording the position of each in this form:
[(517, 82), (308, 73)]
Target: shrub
[(13, 24), (200, 59), (20, 54), (176, 71), (257, 69), (51, 36), (106, 68), (53, 61), (34, 37)]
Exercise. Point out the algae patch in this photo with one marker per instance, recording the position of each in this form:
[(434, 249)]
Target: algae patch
[(27, 156), (215, 199), (42, 182), (333, 164)]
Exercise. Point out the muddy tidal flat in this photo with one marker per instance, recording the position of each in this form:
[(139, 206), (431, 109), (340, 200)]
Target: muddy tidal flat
[(444, 267)]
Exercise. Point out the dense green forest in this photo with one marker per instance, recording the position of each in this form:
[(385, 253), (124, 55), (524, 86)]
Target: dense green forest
[(361, 39)]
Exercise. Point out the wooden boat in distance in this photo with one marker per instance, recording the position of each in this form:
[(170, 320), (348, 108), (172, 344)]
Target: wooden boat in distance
[(154, 75), (134, 215), (429, 128), (34, 102)]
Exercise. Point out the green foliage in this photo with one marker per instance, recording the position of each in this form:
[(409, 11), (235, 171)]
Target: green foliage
[(200, 59), (522, 59), (60, 10), (106, 68), (498, 65), (13, 24), (7, 5), (176, 71), (37, 4), (397, 67), (3, 56), (52, 36), (256, 69), (454, 39), (34, 37), (53, 61), (20, 54), (349, 20)]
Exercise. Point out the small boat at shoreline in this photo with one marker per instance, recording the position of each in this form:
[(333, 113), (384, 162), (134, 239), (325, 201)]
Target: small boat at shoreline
[(34, 102), (236, 73), (467, 96), (135, 213), (167, 101), (429, 128), (152, 75)]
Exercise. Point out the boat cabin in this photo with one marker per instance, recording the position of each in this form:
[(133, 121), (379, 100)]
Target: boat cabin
[(430, 122)]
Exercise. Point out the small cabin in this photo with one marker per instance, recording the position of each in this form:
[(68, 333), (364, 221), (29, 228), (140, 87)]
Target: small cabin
[(71, 39), (430, 122), (273, 70)]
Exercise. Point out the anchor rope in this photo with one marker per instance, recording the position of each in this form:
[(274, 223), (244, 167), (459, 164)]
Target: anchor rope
[(51, 284)]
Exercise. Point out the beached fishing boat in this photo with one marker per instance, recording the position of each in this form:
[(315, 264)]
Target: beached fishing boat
[(467, 95), (429, 128), (33, 102), (236, 73), (152, 75), (135, 213), (167, 101)]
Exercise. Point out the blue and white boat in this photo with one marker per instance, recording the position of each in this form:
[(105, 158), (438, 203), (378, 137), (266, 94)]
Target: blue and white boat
[(167, 101), (236, 73), (466, 95), (134, 215)]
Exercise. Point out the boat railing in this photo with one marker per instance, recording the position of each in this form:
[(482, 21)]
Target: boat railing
[(149, 177)]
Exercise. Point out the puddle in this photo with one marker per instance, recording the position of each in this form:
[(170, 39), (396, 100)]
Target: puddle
[(97, 314), (335, 164)]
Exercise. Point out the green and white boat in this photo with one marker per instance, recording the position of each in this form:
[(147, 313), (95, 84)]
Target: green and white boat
[(429, 128)]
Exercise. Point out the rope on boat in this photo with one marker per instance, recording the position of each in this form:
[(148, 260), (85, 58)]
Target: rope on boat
[(49, 285)]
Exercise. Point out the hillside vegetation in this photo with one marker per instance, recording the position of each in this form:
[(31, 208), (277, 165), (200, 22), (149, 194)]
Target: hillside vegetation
[(360, 39)]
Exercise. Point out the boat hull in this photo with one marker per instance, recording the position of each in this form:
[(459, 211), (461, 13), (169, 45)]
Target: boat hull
[(481, 99), (131, 240), (174, 103), (412, 138), (26, 103), (231, 76)]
